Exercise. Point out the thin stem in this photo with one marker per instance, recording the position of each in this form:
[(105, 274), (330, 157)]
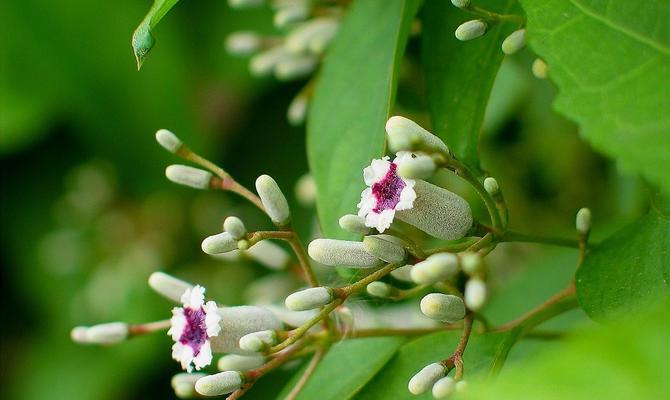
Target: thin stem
[(490, 204), (299, 250), (456, 359), (557, 304), (149, 327), (347, 291), (401, 332), (309, 371), (455, 247), (493, 16), (299, 332), (510, 236)]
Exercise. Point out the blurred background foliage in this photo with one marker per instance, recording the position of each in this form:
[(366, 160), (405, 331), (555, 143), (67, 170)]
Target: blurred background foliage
[(87, 214)]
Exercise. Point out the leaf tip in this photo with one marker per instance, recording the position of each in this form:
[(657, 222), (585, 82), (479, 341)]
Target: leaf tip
[(142, 42)]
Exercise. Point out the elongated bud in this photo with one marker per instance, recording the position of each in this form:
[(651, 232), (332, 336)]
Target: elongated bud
[(583, 221), (239, 321), (168, 286), (461, 3), (491, 186), (385, 247), (273, 200), (420, 166), (108, 333), (313, 36), (236, 362), (381, 289), (435, 268), (290, 14), (189, 176), (405, 134), (235, 227), (475, 294), (168, 140), (342, 252), (295, 67), (264, 63), (243, 43), (438, 212), (514, 42), (443, 307), (219, 243), (539, 69), (426, 378), (258, 341), (443, 388), (354, 224), (241, 4), (403, 273), (219, 384), (472, 263), (471, 30), (78, 334), (183, 384), (297, 110), (308, 299)]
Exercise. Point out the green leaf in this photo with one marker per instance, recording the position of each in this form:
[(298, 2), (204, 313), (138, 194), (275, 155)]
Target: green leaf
[(627, 270), (142, 40), (391, 382), (608, 59), (625, 361), (352, 101), (460, 75), (346, 368)]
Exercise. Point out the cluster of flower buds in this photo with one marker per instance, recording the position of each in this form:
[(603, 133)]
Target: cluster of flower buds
[(433, 376), (305, 27)]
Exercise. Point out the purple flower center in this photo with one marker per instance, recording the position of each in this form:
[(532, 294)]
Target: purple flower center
[(387, 190), (195, 331)]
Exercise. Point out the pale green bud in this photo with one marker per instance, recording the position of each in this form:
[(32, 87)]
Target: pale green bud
[(297, 111), (295, 67), (78, 334), (308, 299), (471, 30), (269, 254), (491, 186), (472, 263), (385, 248), (335, 252), (189, 176), (273, 200), (435, 268), (108, 333), (290, 15), (380, 289), (354, 224), (239, 321), (583, 221), (236, 362), (514, 42), (461, 3), (403, 273), (168, 286), (540, 69), (243, 244), (475, 294), (219, 243), (168, 140), (183, 384), (219, 384), (313, 36), (243, 43), (461, 386), (264, 63), (443, 388), (443, 307), (405, 134), (420, 166), (438, 212), (235, 227), (258, 341), (241, 4), (426, 378)]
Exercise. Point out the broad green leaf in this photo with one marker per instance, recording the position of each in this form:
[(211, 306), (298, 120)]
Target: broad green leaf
[(625, 361), (610, 60), (347, 367), (460, 75), (143, 40), (352, 102), (391, 382), (627, 270)]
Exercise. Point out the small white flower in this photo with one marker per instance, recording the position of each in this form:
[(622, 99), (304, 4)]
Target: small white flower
[(387, 192), (191, 327)]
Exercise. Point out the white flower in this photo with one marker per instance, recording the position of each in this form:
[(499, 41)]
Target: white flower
[(191, 327), (387, 192)]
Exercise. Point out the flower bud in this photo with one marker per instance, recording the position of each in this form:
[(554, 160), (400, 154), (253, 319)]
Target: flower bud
[(583, 221), (183, 384), (461, 386), (443, 307), (385, 247), (381, 289), (241, 4), (435, 268), (236, 362), (405, 134), (78, 334), (438, 212), (354, 224), (297, 111), (258, 341), (239, 321), (443, 388), (461, 3), (269, 254), (109, 333), (471, 30), (219, 384), (342, 252), (168, 286), (403, 273), (219, 243), (235, 227), (491, 186), (426, 378), (264, 63), (514, 42), (308, 299), (242, 244), (295, 67), (189, 176), (313, 36), (243, 43), (540, 69), (475, 293), (472, 263), (168, 140), (273, 200), (290, 14), (419, 166)]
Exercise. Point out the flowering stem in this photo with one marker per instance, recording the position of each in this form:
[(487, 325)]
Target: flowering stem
[(400, 332), (510, 236), (493, 16), (456, 359), (149, 327), (347, 291), (462, 171), (455, 247), (557, 304), (309, 371), (299, 250), (299, 332)]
